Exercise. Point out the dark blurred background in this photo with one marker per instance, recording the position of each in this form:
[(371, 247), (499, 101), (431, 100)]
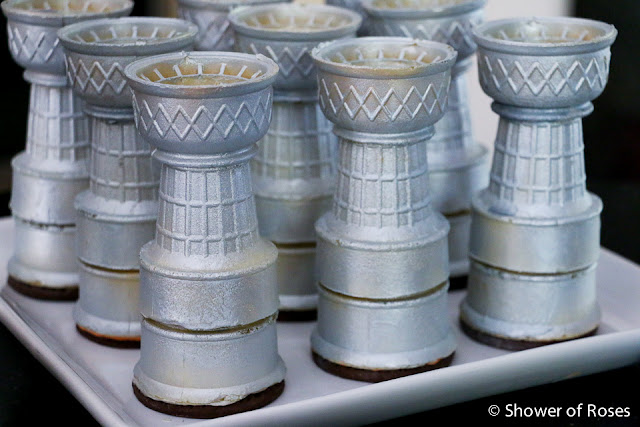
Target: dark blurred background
[(612, 155)]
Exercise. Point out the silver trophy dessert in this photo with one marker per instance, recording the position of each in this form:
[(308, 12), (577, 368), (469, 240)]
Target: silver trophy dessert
[(53, 168), (117, 214), (294, 171), (211, 17), (535, 231), (458, 166), (208, 290), (382, 250)]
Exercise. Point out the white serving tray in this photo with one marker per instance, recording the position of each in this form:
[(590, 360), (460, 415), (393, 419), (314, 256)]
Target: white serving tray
[(100, 377)]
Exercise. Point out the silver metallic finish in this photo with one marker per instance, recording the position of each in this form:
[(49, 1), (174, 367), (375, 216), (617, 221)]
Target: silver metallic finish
[(53, 168), (46, 254), (214, 301), (535, 231), (409, 332), (544, 62), (34, 188), (554, 245), (382, 268), (458, 166), (209, 368), (287, 33), (382, 260), (113, 241), (296, 277), (208, 282), (294, 171), (458, 242), (508, 314), (117, 214), (215, 31), (108, 302)]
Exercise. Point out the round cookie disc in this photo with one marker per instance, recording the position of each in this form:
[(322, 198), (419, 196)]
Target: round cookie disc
[(253, 401), (511, 344), (66, 293), (374, 376)]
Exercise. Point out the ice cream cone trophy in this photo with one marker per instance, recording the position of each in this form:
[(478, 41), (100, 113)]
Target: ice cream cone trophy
[(117, 214), (535, 233), (458, 166), (208, 290), (294, 171), (382, 260), (53, 168)]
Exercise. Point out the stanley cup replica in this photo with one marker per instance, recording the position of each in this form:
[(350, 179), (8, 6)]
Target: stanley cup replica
[(208, 291), (458, 166), (211, 17), (382, 251), (52, 170), (535, 230), (294, 171), (117, 214)]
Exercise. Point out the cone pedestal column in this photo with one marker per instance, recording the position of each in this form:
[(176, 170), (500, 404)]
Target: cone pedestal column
[(294, 176), (382, 255), (208, 291), (535, 233), (294, 171), (53, 168), (117, 214), (46, 178), (111, 231), (458, 166)]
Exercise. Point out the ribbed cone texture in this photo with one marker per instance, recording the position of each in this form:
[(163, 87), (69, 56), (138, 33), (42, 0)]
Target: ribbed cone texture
[(382, 186), (206, 212), (539, 164), (121, 165), (57, 127), (298, 145)]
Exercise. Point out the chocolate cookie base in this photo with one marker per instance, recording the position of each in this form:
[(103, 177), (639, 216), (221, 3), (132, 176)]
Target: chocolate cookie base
[(249, 403), (110, 341), (512, 344), (375, 376), (297, 316), (67, 293), (457, 283)]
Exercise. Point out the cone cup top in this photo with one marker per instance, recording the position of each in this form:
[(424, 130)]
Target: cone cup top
[(211, 18), (423, 8), (98, 51), (295, 22), (32, 27), (131, 36), (202, 102), (445, 21), (544, 62), (288, 32), (63, 12), (384, 84), (221, 5)]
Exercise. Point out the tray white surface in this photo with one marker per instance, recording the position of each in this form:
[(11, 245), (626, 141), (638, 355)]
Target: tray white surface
[(100, 377)]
